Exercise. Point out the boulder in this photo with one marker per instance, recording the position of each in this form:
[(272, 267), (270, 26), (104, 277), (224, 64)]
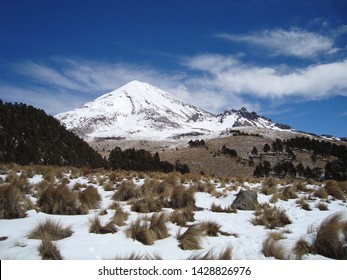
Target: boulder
[(245, 200)]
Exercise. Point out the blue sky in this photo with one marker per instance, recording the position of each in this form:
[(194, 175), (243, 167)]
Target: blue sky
[(287, 60)]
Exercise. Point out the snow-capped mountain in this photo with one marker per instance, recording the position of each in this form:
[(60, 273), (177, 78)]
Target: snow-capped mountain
[(141, 111), (241, 118)]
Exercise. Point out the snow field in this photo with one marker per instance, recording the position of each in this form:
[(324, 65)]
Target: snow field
[(245, 239)]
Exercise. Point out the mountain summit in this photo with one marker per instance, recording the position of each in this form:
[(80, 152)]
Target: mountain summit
[(141, 111)]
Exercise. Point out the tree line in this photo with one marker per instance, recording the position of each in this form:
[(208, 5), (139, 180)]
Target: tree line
[(142, 160), (335, 169), (29, 136)]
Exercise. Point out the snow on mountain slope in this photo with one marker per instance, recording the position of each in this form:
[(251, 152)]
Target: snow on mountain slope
[(141, 111)]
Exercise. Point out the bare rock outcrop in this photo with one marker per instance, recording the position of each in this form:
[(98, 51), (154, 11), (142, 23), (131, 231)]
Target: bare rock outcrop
[(245, 200)]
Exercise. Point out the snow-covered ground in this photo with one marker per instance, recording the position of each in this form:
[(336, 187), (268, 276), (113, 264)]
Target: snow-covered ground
[(246, 239)]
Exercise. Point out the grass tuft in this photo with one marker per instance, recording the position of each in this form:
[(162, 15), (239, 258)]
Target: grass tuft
[(211, 228), (328, 241), (226, 254), (322, 206), (333, 188), (158, 226), (120, 216), (140, 231), (49, 250), (147, 205), (271, 217), (50, 230), (126, 191), (11, 202), (90, 197), (219, 209), (271, 248), (301, 248), (182, 216), (190, 239), (182, 197), (59, 201), (98, 228)]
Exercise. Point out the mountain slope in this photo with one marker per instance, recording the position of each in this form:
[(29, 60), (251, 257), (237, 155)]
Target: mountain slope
[(141, 111), (29, 136)]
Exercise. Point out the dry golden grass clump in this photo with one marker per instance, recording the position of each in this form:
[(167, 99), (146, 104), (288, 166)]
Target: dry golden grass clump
[(146, 231), (219, 209), (50, 230), (120, 216), (158, 226), (270, 217), (182, 216), (182, 197), (147, 205), (126, 191), (206, 187), (269, 186), (301, 248), (211, 228), (191, 238), (139, 230), (288, 192), (90, 198), (321, 193), (226, 254), (334, 189), (98, 228), (301, 186), (331, 238), (59, 200), (272, 248), (302, 202), (49, 250), (322, 206), (12, 202), (173, 178), (50, 173), (156, 187)]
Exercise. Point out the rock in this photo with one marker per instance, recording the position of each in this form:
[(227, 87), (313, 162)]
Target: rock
[(245, 200)]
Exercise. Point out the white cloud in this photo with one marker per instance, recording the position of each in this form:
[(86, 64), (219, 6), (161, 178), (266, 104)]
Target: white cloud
[(294, 42), (312, 82)]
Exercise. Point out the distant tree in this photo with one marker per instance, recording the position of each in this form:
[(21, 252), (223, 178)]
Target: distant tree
[(266, 148), (259, 171), (228, 152), (336, 170), (254, 151), (182, 168), (277, 146), (196, 143), (300, 170)]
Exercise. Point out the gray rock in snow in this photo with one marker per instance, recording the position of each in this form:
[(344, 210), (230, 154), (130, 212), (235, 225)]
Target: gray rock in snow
[(245, 200)]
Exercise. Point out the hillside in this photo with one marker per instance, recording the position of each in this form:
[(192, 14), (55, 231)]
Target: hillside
[(248, 143), (29, 136)]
